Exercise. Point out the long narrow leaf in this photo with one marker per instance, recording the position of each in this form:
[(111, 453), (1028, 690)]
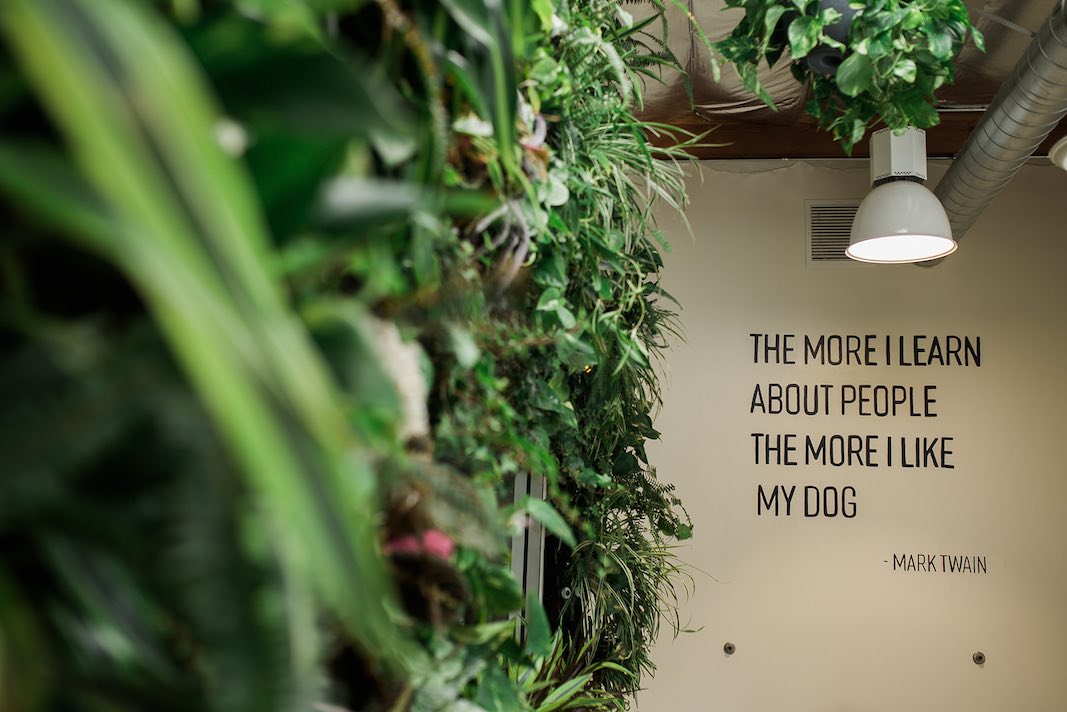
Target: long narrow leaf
[(559, 696)]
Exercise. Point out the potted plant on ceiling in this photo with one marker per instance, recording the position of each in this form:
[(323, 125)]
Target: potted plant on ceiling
[(864, 61)]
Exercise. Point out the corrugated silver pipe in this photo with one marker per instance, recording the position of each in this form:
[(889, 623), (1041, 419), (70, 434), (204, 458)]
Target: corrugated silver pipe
[(1026, 109)]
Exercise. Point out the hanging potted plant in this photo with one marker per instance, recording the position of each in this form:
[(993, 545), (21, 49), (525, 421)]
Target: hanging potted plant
[(865, 61)]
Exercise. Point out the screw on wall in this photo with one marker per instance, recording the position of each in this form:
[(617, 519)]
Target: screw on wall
[(729, 648), (978, 658)]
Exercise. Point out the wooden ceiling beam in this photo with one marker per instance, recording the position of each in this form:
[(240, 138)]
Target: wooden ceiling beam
[(802, 139)]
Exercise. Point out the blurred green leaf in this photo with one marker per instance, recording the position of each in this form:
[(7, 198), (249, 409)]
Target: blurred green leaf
[(497, 692), (312, 94), (140, 124), (48, 186), (346, 338), (475, 18), (547, 515), (354, 204), (23, 652), (545, 10), (538, 632), (289, 173), (463, 346), (285, 17)]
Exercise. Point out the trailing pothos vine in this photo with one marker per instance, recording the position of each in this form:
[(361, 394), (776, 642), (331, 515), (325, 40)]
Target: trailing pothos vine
[(294, 292), (883, 63)]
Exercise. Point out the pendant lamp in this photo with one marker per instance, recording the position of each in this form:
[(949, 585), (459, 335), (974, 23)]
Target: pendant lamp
[(899, 220), (1058, 153)]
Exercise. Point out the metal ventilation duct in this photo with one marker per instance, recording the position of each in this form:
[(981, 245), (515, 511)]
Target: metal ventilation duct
[(1026, 109)]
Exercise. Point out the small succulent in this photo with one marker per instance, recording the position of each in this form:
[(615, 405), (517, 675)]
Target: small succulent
[(889, 61)]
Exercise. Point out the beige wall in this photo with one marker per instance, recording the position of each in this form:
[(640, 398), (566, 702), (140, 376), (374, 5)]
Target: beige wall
[(820, 620)]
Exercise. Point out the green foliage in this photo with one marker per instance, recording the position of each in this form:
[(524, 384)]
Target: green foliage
[(291, 293), (198, 259), (898, 54)]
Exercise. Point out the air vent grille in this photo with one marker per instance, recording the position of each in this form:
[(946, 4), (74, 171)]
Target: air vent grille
[(829, 225)]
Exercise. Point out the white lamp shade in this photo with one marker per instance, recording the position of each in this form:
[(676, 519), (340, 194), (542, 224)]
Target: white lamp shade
[(1058, 153), (900, 221)]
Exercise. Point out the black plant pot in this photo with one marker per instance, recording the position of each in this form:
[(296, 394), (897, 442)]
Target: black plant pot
[(826, 60)]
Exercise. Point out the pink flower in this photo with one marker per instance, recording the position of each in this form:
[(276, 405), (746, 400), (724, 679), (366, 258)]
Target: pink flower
[(433, 542)]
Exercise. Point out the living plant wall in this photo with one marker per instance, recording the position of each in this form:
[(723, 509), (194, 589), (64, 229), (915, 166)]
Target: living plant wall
[(291, 292)]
